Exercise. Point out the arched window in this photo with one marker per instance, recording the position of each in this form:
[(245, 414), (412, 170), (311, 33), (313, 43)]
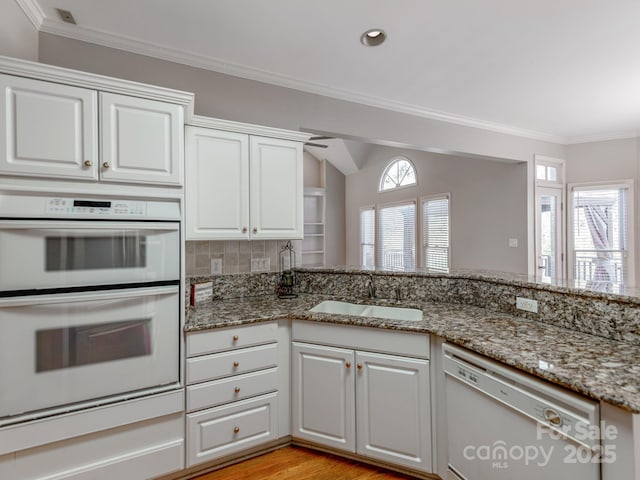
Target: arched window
[(399, 173)]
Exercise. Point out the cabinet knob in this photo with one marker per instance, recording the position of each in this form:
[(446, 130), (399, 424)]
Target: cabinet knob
[(236, 429), (348, 364), (255, 230), (359, 366), (106, 165), (235, 338), (244, 229), (88, 163), (236, 363), (237, 389)]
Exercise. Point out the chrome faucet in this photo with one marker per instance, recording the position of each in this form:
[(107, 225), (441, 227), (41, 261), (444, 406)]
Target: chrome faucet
[(398, 293), (371, 289)]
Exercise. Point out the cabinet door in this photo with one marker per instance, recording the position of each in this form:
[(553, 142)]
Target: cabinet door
[(142, 140), (394, 414), (323, 395), (47, 129), (276, 189), (217, 184)]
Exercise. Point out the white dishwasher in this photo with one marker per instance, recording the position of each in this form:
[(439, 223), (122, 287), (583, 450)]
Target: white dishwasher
[(506, 425)]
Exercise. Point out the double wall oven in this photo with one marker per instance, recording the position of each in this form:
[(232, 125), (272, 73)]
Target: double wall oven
[(89, 302)]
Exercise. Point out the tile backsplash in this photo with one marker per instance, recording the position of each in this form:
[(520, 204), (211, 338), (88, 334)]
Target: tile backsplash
[(235, 255)]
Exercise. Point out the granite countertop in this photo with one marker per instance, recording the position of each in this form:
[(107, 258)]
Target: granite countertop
[(597, 367)]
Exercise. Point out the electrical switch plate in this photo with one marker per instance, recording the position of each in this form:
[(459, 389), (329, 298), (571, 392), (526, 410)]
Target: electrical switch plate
[(262, 264), (216, 266), (513, 242), (527, 304)]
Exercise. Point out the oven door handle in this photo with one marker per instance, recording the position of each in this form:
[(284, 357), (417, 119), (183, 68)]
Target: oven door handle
[(124, 293), (83, 226)]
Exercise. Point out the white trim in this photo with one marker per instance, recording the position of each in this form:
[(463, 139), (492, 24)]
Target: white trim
[(630, 280), (164, 52), (33, 12), (40, 71), (602, 137), (247, 128)]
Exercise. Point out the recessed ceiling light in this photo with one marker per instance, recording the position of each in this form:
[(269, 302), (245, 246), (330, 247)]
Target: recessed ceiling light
[(373, 37)]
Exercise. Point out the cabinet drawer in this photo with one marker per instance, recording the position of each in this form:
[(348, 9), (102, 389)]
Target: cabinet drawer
[(217, 432), (211, 367), (201, 343), (238, 387)]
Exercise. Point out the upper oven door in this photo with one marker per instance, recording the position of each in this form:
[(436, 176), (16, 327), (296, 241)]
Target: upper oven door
[(58, 254)]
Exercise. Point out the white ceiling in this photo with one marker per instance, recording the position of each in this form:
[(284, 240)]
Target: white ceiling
[(563, 70)]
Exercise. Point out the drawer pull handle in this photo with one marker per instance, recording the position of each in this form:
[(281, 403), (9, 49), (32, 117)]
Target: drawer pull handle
[(237, 389), (348, 364), (235, 338), (88, 163), (359, 366), (105, 165), (255, 230), (236, 429), (236, 363)]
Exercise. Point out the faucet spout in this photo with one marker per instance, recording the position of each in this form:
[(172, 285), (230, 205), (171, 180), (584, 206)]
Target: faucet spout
[(371, 289)]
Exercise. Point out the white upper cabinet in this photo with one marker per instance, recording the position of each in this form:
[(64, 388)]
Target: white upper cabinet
[(276, 188), (59, 124), (241, 186), (217, 184), (47, 129), (141, 140)]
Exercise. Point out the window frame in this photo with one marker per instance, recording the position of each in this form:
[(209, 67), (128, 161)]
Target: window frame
[(375, 234), (629, 280), (379, 207), (389, 164), (423, 256)]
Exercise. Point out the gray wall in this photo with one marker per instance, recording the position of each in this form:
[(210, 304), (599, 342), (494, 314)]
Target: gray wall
[(18, 36), (233, 98), (488, 205), (335, 225)]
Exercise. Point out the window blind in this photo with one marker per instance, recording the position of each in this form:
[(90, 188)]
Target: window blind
[(600, 234), (397, 245), (367, 237), (435, 233)]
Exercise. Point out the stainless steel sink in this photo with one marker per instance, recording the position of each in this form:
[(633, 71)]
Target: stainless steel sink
[(377, 311)]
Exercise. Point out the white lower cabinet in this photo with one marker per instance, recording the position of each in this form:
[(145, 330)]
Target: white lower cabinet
[(232, 394), (373, 404)]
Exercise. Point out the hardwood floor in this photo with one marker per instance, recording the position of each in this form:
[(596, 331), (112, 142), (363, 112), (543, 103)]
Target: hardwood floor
[(295, 463)]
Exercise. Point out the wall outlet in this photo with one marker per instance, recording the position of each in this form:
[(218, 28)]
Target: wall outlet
[(527, 304), (216, 266), (513, 243), (262, 264)]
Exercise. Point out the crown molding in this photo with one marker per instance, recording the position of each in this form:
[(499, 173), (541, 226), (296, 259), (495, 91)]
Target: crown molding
[(247, 128), (41, 71), (33, 12), (165, 52), (602, 137)]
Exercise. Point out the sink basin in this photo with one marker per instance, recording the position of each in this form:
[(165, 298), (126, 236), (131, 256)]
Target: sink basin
[(346, 308)]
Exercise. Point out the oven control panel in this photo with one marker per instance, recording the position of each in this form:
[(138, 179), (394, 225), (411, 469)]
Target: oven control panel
[(74, 206)]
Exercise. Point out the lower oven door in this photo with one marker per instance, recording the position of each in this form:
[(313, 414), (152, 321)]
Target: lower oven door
[(73, 350)]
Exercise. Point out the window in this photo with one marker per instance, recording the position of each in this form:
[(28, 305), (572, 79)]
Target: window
[(399, 173), (367, 237), (601, 244), (397, 235), (435, 232)]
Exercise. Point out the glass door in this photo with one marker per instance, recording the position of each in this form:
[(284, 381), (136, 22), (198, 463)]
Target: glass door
[(549, 236)]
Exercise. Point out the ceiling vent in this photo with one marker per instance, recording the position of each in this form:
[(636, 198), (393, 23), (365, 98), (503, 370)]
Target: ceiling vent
[(66, 16)]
